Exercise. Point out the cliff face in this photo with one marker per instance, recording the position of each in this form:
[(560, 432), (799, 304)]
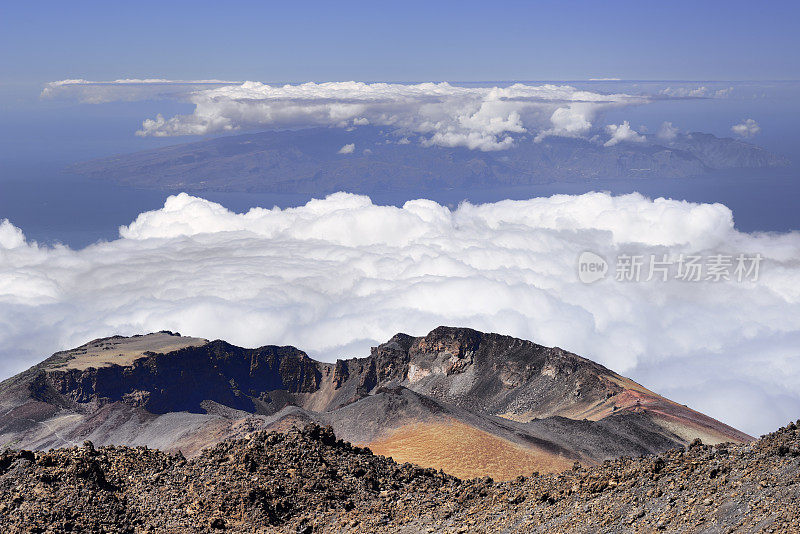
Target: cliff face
[(505, 376), (182, 380), (453, 394)]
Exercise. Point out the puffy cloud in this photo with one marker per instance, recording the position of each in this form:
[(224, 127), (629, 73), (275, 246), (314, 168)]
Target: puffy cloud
[(340, 274), (347, 149), (10, 235), (697, 92), (445, 115), (746, 128), (622, 133), (685, 92), (667, 132), (479, 118), (723, 93), (574, 120)]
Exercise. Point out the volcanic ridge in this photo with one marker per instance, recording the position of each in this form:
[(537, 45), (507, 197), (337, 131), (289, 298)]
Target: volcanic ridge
[(469, 403)]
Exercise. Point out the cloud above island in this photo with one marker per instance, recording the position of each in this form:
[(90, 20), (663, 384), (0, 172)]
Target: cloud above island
[(485, 118), (441, 114), (437, 114), (340, 274), (696, 92), (126, 89), (623, 133), (747, 128)]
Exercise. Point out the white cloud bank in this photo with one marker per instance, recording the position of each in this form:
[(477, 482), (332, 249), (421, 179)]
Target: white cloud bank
[(127, 89), (746, 128), (440, 114), (667, 132), (623, 133), (340, 274), (483, 118), (697, 92)]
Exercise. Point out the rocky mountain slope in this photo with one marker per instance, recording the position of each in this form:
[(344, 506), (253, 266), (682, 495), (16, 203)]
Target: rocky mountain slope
[(308, 481), (307, 161), (457, 399)]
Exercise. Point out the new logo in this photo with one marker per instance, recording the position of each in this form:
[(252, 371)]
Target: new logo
[(591, 267)]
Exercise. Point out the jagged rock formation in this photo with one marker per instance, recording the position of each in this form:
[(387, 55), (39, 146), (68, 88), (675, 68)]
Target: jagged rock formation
[(457, 399), (306, 161), (308, 481)]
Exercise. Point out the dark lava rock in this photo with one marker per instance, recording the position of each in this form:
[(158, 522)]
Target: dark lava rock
[(306, 480)]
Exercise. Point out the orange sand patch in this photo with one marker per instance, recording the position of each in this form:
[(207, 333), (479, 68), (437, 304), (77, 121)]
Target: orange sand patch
[(465, 451)]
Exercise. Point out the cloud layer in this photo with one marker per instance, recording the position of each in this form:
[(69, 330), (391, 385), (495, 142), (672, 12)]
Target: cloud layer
[(746, 128), (441, 114), (126, 90), (623, 133), (340, 274), (697, 92), (484, 118)]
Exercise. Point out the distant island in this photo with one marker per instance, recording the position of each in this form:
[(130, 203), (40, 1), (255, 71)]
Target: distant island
[(369, 160)]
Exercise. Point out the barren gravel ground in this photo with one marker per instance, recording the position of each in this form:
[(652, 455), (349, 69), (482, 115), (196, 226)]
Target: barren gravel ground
[(308, 481)]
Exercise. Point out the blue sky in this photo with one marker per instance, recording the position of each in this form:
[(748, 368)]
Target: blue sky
[(401, 41)]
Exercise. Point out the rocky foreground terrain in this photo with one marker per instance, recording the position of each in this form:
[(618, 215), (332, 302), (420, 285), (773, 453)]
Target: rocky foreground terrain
[(470, 403), (309, 481)]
